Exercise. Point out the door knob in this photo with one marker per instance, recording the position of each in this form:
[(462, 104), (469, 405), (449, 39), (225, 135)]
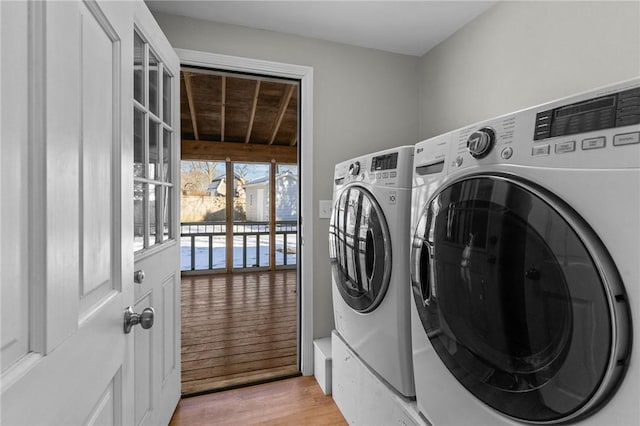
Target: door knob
[(138, 276), (145, 319)]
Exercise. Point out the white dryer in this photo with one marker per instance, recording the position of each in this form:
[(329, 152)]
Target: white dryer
[(525, 266), (369, 254)]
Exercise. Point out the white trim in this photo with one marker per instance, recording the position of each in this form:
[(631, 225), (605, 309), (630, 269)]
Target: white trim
[(239, 64), (305, 75)]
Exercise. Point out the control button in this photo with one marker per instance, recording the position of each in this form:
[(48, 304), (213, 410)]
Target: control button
[(543, 127), (626, 139), (354, 168), (506, 153), (458, 161), (540, 150), (392, 174), (385, 175), (564, 147), (594, 143), (480, 142), (378, 175)]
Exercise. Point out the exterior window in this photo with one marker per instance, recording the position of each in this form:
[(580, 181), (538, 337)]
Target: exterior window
[(153, 187)]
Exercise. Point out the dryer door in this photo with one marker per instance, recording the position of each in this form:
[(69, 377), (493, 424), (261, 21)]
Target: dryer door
[(359, 249), (519, 299)]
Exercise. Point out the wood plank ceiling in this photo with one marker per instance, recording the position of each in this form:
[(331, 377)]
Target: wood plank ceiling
[(238, 117)]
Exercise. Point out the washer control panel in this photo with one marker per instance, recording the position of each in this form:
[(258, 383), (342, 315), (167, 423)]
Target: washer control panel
[(604, 112), (599, 129)]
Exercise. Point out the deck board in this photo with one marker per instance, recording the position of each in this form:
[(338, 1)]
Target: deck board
[(238, 329)]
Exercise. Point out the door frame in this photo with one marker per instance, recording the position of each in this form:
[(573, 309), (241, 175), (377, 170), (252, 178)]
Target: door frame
[(305, 153)]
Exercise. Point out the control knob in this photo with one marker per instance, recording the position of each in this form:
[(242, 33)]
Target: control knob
[(480, 142), (354, 168)]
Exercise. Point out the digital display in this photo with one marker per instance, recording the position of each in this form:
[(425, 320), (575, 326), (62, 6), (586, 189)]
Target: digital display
[(384, 162), (604, 112), (583, 107)]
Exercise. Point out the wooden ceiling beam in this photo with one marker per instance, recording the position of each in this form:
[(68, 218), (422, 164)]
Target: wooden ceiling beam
[(223, 103), (253, 111), (283, 108), (206, 150), (192, 107)]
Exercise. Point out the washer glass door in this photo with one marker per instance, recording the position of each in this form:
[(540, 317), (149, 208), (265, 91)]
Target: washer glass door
[(359, 249), (514, 303)]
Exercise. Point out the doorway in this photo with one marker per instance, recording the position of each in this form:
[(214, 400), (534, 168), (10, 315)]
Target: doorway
[(304, 75), (239, 198)]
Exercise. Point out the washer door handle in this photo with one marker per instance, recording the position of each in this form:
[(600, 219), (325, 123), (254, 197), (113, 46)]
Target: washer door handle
[(422, 256)]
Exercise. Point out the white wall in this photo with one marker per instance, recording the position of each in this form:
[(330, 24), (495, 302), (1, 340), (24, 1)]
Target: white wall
[(364, 100), (516, 55), (520, 54)]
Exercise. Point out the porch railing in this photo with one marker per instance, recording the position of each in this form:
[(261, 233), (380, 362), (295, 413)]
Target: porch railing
[(203, 245)]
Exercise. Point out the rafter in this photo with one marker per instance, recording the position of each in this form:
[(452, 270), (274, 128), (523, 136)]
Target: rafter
[(223, 103), (192, 107), (283, 108), (253, 111)]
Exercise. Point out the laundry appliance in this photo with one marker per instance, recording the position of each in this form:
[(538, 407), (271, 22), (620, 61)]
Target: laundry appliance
[(369, 253), (525, 266)]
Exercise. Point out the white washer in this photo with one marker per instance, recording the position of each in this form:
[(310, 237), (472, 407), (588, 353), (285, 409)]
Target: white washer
[(369, 254), (525, 266)]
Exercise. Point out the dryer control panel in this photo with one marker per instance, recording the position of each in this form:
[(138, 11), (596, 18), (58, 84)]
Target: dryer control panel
[(391, 167)]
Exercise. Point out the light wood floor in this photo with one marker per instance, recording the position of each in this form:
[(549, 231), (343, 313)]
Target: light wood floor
[(238, 329), (296, 401)]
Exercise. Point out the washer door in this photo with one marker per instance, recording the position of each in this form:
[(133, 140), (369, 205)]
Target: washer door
[(359, 249), (519, 299)]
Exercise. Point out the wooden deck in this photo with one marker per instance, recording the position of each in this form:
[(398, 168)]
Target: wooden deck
[(238, 329)]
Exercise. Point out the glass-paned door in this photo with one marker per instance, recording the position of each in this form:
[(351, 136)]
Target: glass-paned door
[(156, 148), (83, 64), (153, 132)]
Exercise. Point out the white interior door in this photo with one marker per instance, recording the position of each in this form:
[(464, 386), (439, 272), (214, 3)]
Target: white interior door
[(155, 167), (67, 246)]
